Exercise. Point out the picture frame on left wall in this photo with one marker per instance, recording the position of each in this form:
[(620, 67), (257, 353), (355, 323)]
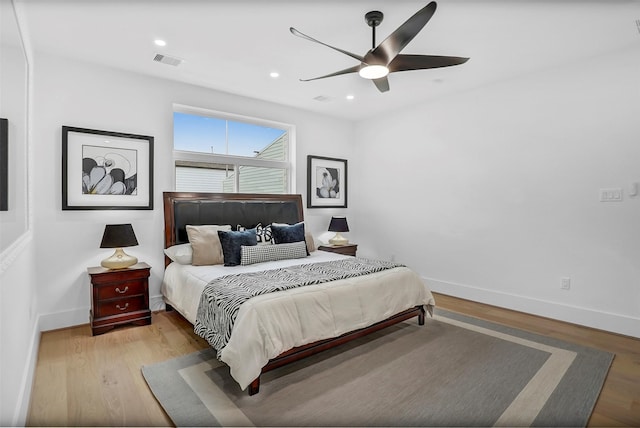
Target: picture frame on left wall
[(4, 164), (105, 170)]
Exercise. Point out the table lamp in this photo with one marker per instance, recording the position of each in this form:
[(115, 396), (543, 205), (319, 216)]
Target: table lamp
[(118, 236), (338, 224)]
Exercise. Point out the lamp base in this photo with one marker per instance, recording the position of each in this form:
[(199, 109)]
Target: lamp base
[(338, 240), (119, 260)]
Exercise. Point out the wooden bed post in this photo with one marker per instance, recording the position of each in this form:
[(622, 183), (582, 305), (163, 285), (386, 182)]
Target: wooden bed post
[(254, 387), (421, 316)]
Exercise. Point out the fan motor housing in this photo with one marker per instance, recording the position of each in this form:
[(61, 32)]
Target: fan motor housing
[(373, 18)]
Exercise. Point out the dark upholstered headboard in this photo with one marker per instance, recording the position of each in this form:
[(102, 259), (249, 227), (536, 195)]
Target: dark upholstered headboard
[(247, 209)]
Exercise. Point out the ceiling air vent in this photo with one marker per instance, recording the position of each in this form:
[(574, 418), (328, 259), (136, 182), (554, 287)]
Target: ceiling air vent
[(165, 59), (322, 98)]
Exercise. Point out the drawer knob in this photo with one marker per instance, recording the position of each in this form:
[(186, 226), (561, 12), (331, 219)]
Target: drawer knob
[(126, 305), (122, 291)]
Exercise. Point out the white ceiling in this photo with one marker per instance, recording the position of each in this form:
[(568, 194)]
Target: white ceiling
[(233, 45)]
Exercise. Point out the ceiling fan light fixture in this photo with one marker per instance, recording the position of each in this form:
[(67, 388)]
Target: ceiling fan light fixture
[(373, 71), (385, 57)]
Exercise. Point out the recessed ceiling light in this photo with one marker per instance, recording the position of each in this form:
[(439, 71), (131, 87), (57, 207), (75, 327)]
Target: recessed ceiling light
[(274, 74), (350, 97), (159, 42)]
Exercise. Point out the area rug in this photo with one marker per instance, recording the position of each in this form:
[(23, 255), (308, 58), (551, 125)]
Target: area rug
[(453, 371)]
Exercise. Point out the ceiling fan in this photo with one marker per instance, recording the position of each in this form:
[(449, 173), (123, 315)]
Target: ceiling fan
[(386, 58)]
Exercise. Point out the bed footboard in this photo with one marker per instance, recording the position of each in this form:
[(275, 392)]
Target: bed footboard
[(300, 352)]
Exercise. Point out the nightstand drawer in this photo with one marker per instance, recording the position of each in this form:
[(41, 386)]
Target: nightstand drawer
[(120, 306), (101, 276), (123, 289)]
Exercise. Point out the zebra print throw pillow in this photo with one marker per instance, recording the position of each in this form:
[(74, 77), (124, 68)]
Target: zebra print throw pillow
[(263, 233)]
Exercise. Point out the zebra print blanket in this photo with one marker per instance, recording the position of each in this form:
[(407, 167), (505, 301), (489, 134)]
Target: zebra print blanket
[(221, 299)]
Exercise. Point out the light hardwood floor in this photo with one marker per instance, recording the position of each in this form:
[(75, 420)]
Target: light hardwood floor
[(88, 381)]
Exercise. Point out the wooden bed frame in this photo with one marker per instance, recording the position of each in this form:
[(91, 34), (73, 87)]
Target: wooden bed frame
[(198, 206)]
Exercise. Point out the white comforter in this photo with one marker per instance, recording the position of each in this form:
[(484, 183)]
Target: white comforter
[(270, 324)]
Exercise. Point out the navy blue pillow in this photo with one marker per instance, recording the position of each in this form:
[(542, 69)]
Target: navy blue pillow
[(232, 243), (287, 233)]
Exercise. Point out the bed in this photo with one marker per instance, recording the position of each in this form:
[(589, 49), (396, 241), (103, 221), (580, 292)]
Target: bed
[(277, 328)]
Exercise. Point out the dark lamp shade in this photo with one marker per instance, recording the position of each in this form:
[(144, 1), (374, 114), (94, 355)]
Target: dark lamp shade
[(338, 224), (118, 236)]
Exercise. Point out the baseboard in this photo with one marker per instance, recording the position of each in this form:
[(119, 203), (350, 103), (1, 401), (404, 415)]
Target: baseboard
[(156, 303), (64, 319), (26, 385), (79, 316), (615, 323)]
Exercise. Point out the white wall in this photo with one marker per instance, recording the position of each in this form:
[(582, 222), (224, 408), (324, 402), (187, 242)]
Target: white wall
[(13, 106), (493, 195), (19, 332), (88, 96)]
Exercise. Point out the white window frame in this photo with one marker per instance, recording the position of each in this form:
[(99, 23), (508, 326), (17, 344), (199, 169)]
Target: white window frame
[(288, 165)]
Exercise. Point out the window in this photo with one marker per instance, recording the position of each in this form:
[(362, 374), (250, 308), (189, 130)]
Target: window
[(220, 152)]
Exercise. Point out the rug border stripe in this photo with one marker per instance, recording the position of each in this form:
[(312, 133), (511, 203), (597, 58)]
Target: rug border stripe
[(213, 398), (544, 385)]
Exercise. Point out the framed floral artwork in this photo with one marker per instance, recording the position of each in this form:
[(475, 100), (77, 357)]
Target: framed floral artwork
[(103, 170), (326, 182)]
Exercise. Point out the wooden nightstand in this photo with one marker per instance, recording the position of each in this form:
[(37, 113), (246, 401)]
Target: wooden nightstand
[(347, 250), (119, 296)]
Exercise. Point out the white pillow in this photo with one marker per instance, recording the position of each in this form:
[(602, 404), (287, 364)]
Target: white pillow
[(181, 253)]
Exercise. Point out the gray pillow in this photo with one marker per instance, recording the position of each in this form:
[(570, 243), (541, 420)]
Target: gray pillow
[(287, 233), (233, 241)]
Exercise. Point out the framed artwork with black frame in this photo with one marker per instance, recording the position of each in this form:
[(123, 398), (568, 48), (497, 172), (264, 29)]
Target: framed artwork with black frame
[(326, 182), (4, 165), (104, 170)]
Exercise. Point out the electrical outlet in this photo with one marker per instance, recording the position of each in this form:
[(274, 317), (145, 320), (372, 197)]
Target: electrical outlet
[(611, 195), (565, 283)]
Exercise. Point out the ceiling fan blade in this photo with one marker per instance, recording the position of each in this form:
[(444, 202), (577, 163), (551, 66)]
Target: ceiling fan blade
[(304, 36), (422, 62), (382, 84), (392, 45), (353, 69)]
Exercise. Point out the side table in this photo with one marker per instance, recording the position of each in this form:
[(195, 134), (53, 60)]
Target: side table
[(119, 296)]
